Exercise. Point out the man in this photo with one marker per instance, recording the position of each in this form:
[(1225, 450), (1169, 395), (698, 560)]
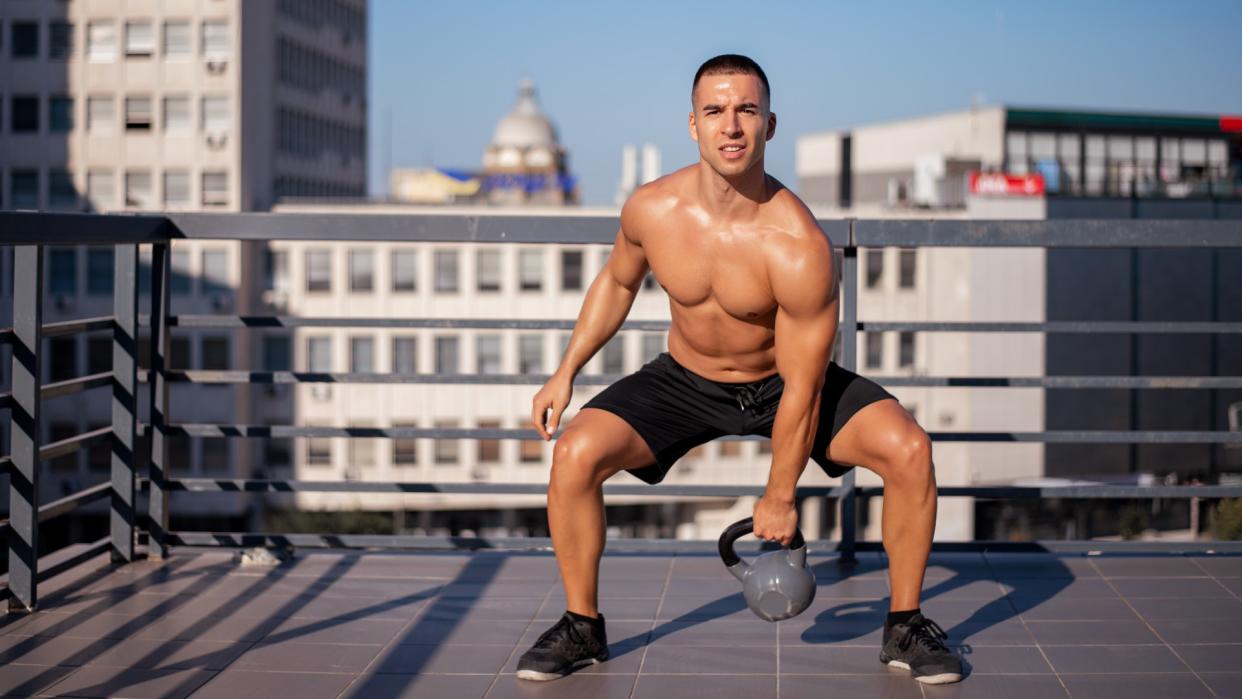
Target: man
[(753, 297)]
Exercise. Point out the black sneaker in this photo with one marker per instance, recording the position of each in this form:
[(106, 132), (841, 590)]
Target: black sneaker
[(569, 645), (918, 646)]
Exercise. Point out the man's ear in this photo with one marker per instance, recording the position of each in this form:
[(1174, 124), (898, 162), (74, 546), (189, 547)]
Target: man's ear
[(694, 129), (771, 127)]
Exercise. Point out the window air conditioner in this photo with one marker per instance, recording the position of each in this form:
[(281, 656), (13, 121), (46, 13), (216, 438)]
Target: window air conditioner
[(217, 139), (321, 391), (217, 65)]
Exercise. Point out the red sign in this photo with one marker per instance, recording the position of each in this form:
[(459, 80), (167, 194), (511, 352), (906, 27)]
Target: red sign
[(1011, 185), (1231, 123)]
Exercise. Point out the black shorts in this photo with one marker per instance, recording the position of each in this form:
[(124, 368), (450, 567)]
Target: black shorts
[(675, 410)]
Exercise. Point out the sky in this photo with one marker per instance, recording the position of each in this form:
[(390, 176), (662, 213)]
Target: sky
[(443, 74)]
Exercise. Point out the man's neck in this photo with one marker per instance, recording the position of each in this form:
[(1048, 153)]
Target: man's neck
[(732, 197)]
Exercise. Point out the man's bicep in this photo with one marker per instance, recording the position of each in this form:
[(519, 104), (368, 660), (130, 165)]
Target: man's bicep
[(627, 263), (804, 344)]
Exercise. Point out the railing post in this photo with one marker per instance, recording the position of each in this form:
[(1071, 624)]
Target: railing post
[(849, 360), (157, 501), (24, 427), (124, 399)]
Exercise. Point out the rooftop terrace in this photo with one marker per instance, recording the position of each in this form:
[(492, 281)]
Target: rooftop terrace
[(331, 623)]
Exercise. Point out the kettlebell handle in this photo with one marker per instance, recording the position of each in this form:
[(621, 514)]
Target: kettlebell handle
[(740, 529)]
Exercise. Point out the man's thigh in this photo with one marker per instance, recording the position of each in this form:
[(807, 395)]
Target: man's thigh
[(605, 440), (873, 435)]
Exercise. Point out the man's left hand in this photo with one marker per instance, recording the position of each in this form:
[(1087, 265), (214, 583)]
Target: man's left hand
[(775, 520)]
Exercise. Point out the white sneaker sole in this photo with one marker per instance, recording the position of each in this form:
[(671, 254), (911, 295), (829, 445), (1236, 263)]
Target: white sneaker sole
[(537, 676), (942, 678)]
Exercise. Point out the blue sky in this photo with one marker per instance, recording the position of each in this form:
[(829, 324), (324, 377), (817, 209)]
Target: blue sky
[(614, 73)]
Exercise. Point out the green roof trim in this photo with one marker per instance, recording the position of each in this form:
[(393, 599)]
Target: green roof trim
[(1046, 118)]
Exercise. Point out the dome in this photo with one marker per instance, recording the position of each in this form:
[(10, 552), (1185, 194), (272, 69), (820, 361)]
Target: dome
[(525, 126)]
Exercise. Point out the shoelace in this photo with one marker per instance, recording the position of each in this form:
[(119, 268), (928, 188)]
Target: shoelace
[(551, 639), (926, 633)]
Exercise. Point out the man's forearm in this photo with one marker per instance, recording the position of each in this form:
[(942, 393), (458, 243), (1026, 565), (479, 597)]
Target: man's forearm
[(793, 433), (604, 309)]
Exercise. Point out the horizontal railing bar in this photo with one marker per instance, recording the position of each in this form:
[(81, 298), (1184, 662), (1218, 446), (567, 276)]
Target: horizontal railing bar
[(72, 386), (223, 378), (708, 547), (1051, 437), (69, 503), (282, 486), (1058, 233), (71, 444), (47, 228), (227, 321), (1079, 492), (1053, 327), (73, 327)]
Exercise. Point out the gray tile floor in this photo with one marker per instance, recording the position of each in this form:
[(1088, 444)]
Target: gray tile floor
[(340, 624)]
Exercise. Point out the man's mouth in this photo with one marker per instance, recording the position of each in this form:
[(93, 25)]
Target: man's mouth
[(732, 150)]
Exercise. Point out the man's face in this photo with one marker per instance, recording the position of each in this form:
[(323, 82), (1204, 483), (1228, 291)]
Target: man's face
[(731, 121)]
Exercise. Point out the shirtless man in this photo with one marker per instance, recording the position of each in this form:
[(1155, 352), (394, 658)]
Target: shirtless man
[(753, 296)]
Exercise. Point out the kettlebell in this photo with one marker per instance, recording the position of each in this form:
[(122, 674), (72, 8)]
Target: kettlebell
[(778, 584)]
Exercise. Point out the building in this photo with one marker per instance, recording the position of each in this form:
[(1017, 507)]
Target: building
[(177, 105), (525, 162), (1008, 163)]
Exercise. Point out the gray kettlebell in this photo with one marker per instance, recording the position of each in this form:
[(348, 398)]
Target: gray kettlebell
[(778, 584)]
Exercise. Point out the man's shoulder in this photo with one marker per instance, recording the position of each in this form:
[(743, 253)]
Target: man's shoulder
[(653, 200)]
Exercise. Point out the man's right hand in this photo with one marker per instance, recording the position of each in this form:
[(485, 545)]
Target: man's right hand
[(554, 397)]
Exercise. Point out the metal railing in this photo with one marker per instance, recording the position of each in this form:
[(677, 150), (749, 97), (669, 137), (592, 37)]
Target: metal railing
[(29, 233)]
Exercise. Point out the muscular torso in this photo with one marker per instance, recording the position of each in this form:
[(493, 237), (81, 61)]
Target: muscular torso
[(716, 276)]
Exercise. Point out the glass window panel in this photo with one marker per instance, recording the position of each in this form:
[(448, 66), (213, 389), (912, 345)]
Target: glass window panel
[(875, 267), (216, 39), (1145, 148), (1194, 151), (487, 269), (64, 359), (138, 114), (139, 39), (875, 349), (653, 345), (177, 117), (24, 189), (1120, 148), (1218, 153), (177, 41), (361, 270), (361, 449), (216, 272), (100, 114), (362, 355), (25, 114), (276, 270), (176, 188), (909, 262), (614, 355), (179, 262), (25, 39), (404, 449), (60, 40), (487, 354), (318, 451), (530, 354), (61, 193), (60, 114), (489, 449), (906, 355), (530, 270), (138, 193), (98, 355), (446, 355), (405, 355), (404, 270), (215, 455), (319, 354), (318, 270), (216, 354), (446, 449), (1043, 146), (276, 354), (446, 271), (531, 451), (215, 188), (99, 271), (216, 115), (571, 270), (101, 40), (1067, 146), (63, 271)]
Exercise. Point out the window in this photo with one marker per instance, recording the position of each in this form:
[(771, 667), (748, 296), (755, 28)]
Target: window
[(614, 355), (530, 354), (57, 432), (404, 270), (216, 116), (101, 189), (446, 271), (487, 269), (319, 354), (361, 271), (179, 353), (98, 355), (138, 114), (215, 188), (875, 267), (530, 270), (101, 41), (875, 349), (276, 353), (177, 42), (362, 355), (277, 452), (139, 39), (64, 359), (765, 447), (215, 38), (100, 114), (906, 355), (653, 345), (24, 189), (318, 270), (405, 355), (571, 270), (63, 271), (361, 449), (176, 188), (530, 451), (179, 272), (216, 272), (25, 39), (60, 114), (215, 455), (60, 40), (138, 190), (487, 354), (215, 355), (177, 117), (907, 258), (446, 449), (489, 449), (25, 117), (276, 270), (318, 451), (730, 448), (404, 449), (446, 355), (99, 271), (180, 455), (61, 194)]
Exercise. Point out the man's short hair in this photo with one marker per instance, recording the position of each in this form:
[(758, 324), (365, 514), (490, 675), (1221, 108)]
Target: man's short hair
[(731, 64)]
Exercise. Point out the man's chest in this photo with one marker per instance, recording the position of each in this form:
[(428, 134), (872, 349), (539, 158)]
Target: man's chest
[(701, 269)]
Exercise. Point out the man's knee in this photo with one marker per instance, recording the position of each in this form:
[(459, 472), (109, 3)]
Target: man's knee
[(908, 459), (576, 462)]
